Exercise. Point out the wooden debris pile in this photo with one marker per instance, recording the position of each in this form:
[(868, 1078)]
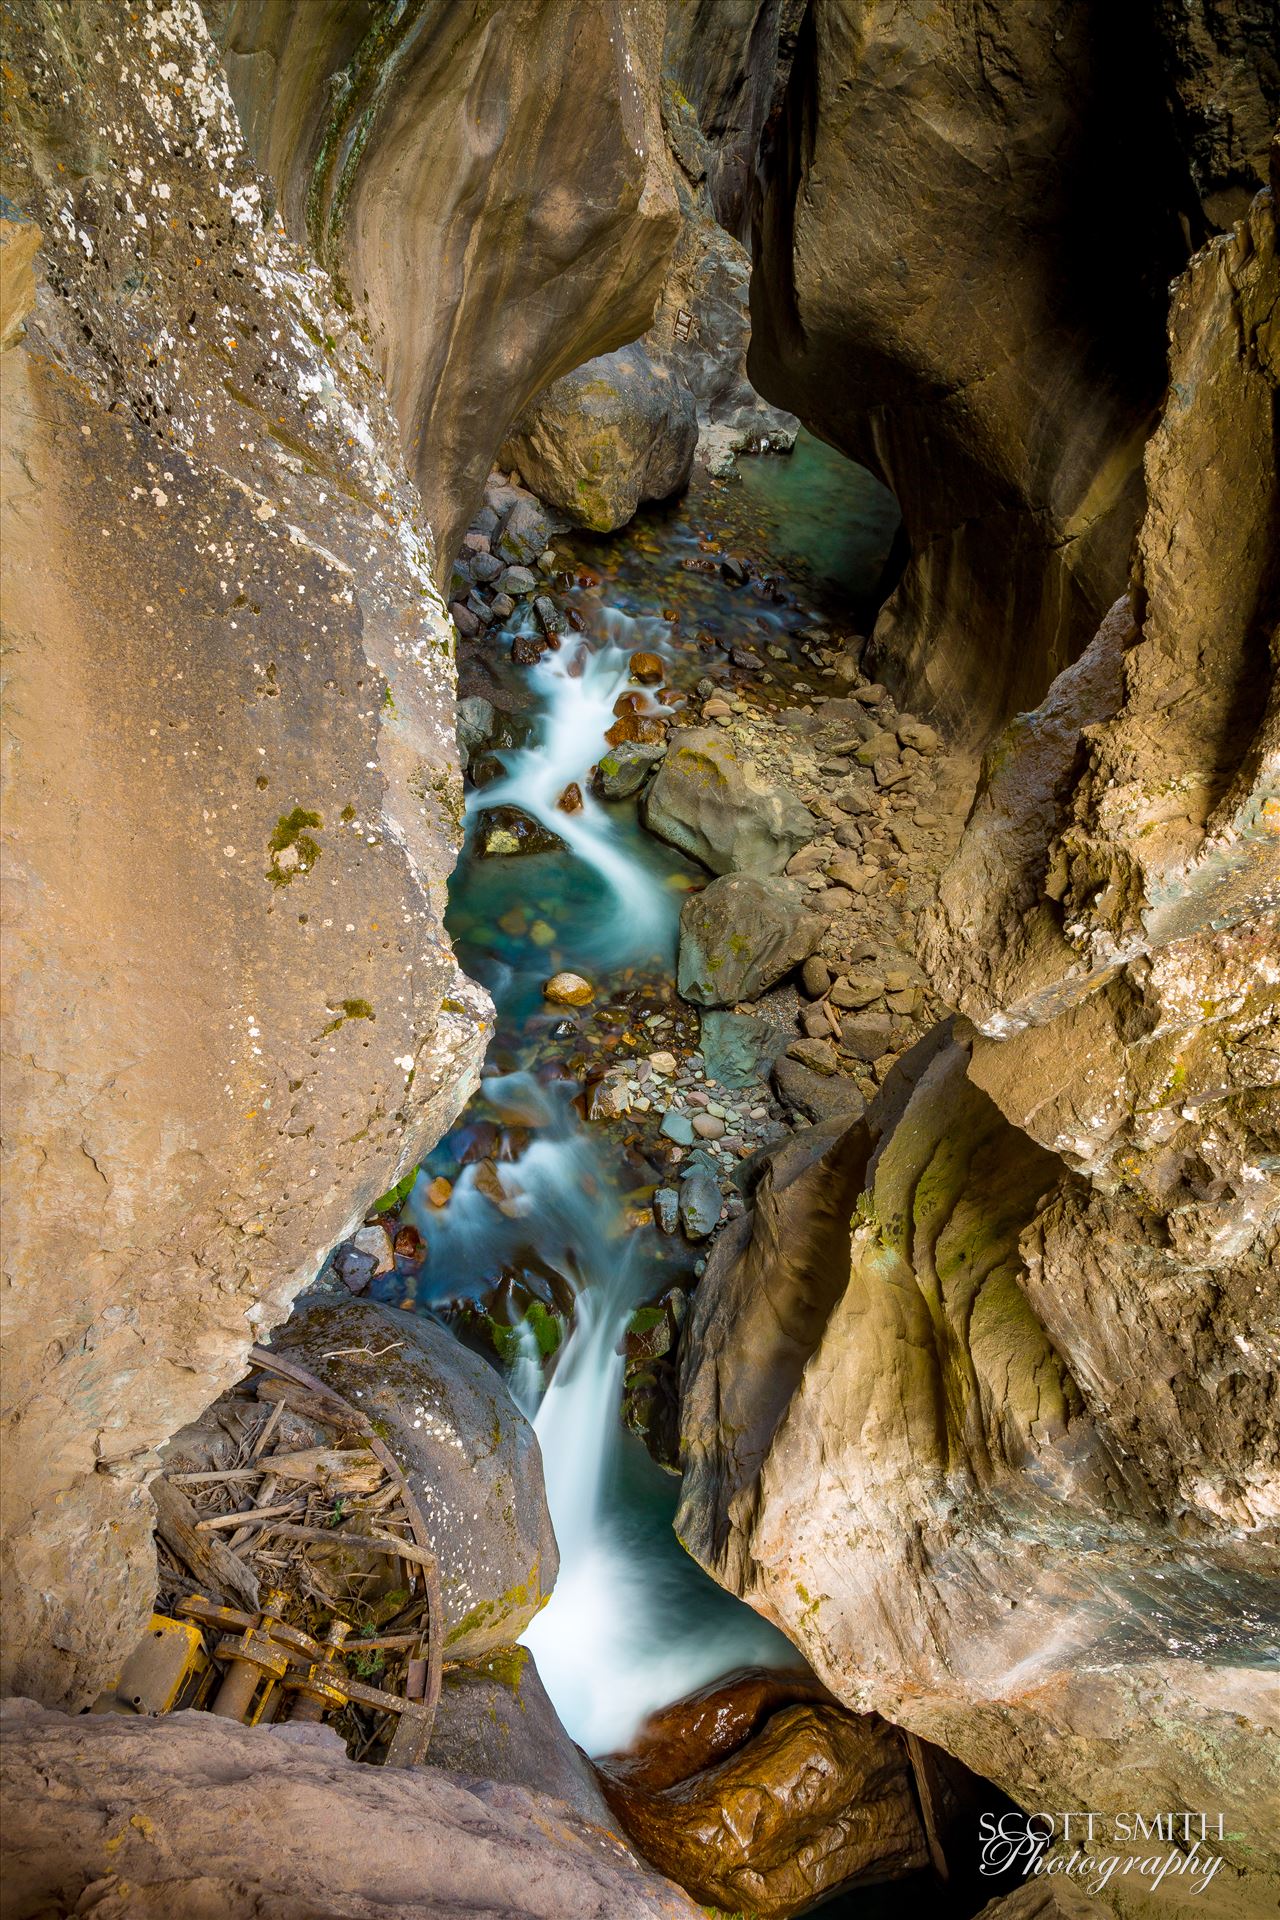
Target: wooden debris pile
[(283, 1487)]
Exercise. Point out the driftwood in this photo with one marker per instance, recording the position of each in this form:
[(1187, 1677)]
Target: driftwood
[(213, 1564)]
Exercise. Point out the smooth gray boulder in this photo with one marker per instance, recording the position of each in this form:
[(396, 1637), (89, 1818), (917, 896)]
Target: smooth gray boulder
[(740, 935), (738, 1050), (722, 810), (496, 1722), (620, 429), (474, 725), (469, 1454)]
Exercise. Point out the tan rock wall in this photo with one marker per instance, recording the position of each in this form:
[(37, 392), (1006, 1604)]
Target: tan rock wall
[(231, 801), (491, 183)]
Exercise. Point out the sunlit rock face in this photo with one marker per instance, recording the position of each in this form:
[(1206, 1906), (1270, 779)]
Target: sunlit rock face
[(231, 797), (981, 1406), (967, 225), (491, 184)]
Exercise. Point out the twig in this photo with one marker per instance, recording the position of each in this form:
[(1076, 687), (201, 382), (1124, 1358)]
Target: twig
[(251, 1517), (374, 1353)]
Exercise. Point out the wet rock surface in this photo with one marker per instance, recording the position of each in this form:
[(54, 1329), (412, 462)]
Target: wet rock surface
[(196, 1815), (761, 1792)]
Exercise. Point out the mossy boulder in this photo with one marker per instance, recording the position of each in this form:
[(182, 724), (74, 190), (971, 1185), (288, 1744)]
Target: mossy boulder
[(469, 1454), (616, 431), (741, 935)]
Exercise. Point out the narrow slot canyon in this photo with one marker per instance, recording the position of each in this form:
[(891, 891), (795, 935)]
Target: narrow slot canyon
[(641, 1032)]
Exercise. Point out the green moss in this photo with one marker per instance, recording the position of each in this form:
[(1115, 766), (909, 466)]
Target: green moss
[(488, 1612), (291, 830), (358, 1010), (394, 1198)]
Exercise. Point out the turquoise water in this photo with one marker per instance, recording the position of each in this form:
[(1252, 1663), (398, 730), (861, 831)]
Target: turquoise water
[(544, 1207)]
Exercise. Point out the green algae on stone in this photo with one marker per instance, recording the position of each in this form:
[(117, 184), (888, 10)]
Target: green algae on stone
[(293, 851)]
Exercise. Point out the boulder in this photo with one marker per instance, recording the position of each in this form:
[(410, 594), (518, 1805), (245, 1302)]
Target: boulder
[(468, 1452), (737, 1049), (616, 431), (811, 1800), (740, 935), (192, 1815), (523, 535), (700, 1202), (722, 810), (510, 830), (625, 768), (816, 1093), (495, 1722)]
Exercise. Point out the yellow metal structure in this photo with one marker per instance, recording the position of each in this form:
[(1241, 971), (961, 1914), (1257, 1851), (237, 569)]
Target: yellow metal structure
[(167, 1670)]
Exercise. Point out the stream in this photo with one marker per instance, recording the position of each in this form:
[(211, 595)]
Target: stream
[(542, 1234)]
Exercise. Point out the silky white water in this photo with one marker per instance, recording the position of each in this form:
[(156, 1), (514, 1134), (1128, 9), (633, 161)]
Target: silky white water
[(632, 1623)]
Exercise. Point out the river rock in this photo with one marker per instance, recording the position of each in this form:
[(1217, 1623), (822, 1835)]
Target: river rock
[(677, 1127), (100, 1800), (700, 1201), (568, 990), (814, 1800), (816, 1092), (523, 535), (866, 1035), (548, 615), (666, 1209), (618, 430), (475, 725), (495, 1722), (647, 668), (510, 830), (721, 810), (740, 935), (625, 768), (738, 1049), (469, 1454), (518, 582)]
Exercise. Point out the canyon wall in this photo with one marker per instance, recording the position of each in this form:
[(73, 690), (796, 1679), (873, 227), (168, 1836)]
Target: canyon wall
[(966, 221), (491, 185), (231, 797), (980, 1406)]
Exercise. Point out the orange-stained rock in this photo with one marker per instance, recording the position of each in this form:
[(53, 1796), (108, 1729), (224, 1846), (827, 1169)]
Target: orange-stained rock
[(792, 1806), (647, 668)]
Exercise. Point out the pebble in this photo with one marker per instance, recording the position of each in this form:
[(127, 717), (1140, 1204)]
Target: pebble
[(662, 1062), (708, 1126), (666, 1209), (815, 978), (678, 1127), (568, 990)]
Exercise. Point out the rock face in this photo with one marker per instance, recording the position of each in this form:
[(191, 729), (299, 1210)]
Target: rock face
[(740, 935), (928, 254), (231, 800), (722, 810), (466, 1449), (511, 159), (616, 431), (623, 428), (1008, 1472), (197, 1816)]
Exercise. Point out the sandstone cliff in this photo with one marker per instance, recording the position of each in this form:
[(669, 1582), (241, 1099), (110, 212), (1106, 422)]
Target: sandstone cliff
[(966, 222), (231, 797), (981, 1406), (490, 183)]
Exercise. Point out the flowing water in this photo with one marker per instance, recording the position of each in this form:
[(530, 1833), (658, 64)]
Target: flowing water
[(539, 1234)]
